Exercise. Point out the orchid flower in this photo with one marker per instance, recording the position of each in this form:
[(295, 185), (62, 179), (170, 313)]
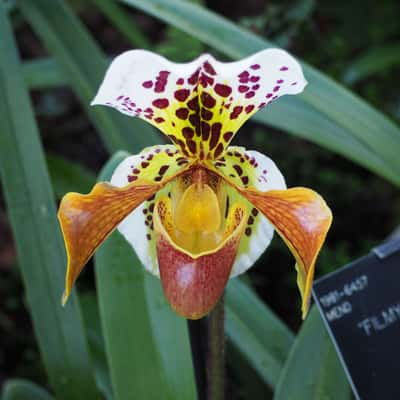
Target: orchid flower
[(197, 211)]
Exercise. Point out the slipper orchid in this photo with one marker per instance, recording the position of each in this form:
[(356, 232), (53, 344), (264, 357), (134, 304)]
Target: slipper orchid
[(198, 211)]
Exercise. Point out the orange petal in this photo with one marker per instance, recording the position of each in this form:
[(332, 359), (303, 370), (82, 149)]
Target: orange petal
[(87, 220), (193, 283), (302, 218)]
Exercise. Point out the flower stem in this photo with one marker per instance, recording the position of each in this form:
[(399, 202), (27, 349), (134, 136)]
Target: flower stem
[(216, 353)]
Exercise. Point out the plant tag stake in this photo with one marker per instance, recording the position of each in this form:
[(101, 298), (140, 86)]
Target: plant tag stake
[(360, 305)]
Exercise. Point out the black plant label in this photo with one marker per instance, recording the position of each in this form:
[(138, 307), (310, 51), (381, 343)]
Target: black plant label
[(360, 305)]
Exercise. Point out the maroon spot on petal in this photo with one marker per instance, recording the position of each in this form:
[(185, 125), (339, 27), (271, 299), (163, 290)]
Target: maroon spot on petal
[(227, 136), (218, 151), (276, 88), (149, 110), (192, 146), (245, 180), (187, 132), (269, 95), (163, 169), (159, 120), (279, 81), (121, 97), (193, 104), (160, 103), (261, 105), (249, 95), (150, 157), (147, 84), (182, 113), (249, 108), (207, 100), (148, 236), (205, 80), (158, 178), (238, 169), (243, 88), (250, 220), (236, 112), (182, 94), (206, 114), (195, 121), (294, 83), (180, 81), (209, 68), (193, 79), (215, 134), (275, 97), (163, 74), (205, 130), (255, 87), (244, 74), (132, 104), (222, 90), (254, 79), (136, 171), (283, 68), (247, 231), (144, 164), (255, 66), (144, 211), (244, 80), (132, 178), (151, 207)]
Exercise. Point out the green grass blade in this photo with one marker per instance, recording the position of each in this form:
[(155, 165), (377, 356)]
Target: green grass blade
[(21, 389), (313, 370), (124, 23), (32, 214), (257, 333), (84, 66), (67, 176), (43, 73), (323, 97), (147, 344), (371, 62)]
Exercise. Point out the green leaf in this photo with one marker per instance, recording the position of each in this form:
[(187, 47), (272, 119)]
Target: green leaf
[(374, 60), (84, 66), (21, 389), (32, 213), (43, 73), (325, 113), (146, 343), (259, 335), (123, 22), (67, 176), (91, 317), (313, 370)]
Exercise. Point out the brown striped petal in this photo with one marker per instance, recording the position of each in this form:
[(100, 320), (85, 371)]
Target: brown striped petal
[(87, 220), (302, 218)]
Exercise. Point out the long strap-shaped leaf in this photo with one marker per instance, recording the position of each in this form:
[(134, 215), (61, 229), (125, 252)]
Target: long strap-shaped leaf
[(147, 344), (262, 338), (325, 113), (313, 370), (32, 214), (84, 65)]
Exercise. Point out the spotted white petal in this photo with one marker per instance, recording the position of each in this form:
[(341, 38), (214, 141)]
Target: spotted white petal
[(247, 168), (154, 163), (199, 105)]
